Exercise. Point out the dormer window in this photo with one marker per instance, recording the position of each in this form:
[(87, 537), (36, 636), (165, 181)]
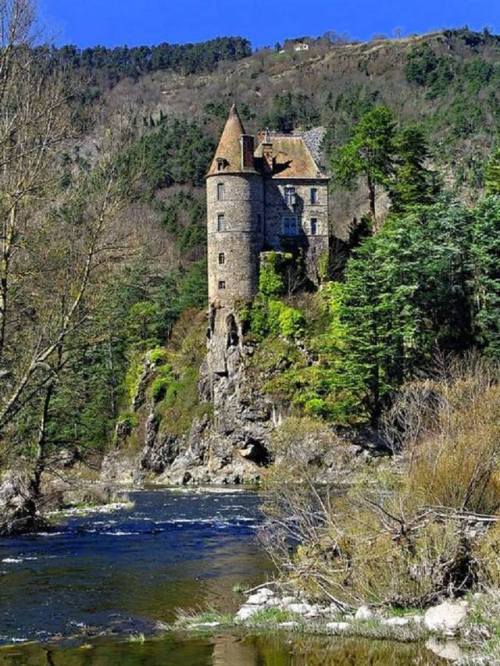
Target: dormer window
[(220, 163), (290, 196), (220, 191)]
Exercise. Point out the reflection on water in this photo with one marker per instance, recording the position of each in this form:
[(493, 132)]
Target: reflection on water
[(226, 650)]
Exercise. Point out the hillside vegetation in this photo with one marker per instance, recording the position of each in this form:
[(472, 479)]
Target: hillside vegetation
[(103, 226)]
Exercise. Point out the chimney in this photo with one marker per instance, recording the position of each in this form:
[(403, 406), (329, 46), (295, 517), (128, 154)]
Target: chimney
[(247, 151), (267, 150)]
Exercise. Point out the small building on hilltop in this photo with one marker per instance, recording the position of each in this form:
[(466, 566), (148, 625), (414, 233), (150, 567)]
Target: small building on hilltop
[(263, 193)]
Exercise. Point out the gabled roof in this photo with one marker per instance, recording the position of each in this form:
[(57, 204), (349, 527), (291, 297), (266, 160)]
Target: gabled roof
[(291, 158), (229, 148)]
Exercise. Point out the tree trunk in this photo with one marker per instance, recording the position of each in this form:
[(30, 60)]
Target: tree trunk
[(371, 195)]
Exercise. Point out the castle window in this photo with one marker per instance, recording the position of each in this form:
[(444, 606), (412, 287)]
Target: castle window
[(220, 191), (222, 284), (290, 227), (222, 258), (220, 164), (314, 226), (314, 195), (221, 224), (290, 196)]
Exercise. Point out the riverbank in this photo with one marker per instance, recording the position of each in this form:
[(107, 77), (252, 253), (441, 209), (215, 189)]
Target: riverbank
[(463, 631)]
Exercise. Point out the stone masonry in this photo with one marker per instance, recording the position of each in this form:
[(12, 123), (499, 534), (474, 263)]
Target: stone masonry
[(270, 197)]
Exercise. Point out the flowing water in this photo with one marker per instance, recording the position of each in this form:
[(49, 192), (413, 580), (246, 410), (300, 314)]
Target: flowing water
[(85, 592)]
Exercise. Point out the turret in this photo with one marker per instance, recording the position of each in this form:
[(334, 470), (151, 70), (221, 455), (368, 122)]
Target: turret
[(235, 217)]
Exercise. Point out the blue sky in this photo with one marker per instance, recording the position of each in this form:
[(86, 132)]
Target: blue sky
[(264, 22)]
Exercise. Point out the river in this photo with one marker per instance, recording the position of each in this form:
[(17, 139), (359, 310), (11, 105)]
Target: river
[(89, 590)]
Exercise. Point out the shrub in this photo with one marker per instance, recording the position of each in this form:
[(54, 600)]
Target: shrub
[(271, 278), (401, 536), (285, 320)]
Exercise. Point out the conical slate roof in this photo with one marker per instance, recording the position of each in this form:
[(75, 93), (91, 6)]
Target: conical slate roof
[(229, 148)]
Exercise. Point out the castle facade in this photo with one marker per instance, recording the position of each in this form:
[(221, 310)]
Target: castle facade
[(263, 193)]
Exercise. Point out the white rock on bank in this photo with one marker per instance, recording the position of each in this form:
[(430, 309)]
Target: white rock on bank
[(338, 626), (363, 613), (301, 609), (259, 598), (246, 612), (446, 617), (396, 621), (286, 601), (288, 625)]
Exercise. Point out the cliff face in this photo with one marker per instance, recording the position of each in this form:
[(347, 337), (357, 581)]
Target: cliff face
[(226, 440)]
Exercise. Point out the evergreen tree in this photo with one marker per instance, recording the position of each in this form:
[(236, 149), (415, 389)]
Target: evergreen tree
[(492, 174), (485, 254), (370, 153), (412, 182)]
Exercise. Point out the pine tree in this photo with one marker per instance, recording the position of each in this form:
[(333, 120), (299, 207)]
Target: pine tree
[(412, 182), (369, 153), (492, 173)]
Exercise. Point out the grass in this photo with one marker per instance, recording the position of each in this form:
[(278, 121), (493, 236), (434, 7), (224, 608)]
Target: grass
[(192, 619), (272, 616), (481, 634)]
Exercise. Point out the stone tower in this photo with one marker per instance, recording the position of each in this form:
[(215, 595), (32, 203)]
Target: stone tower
[(273, 196), (235, 217), (235, 214)]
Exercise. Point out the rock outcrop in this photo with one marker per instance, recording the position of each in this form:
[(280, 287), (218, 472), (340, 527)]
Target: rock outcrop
[(17, 504), (228, 447)]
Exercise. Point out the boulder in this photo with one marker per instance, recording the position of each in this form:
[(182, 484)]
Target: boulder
[(447, 617), (363, 613), (246, 612), (17, 504), (338, 626), (260, 598)]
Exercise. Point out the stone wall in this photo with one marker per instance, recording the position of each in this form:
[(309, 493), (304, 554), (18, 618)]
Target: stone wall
[(314, 245), (233, 251)]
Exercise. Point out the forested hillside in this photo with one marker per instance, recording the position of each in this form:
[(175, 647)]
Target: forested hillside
[(103, 244)]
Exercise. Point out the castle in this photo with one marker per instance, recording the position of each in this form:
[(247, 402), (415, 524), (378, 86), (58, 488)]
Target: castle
[(272, 196)]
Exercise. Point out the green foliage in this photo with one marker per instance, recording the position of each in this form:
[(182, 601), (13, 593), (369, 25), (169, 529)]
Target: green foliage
[(485, 253), (425, 68), (176, 385), (291, 110), (285, 320), (492, 175), (370, 152), (271, 272), (412, 182), (184, 217), (113, 64), (163, 383), (178, 151), (143, 324), (158, 356)]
